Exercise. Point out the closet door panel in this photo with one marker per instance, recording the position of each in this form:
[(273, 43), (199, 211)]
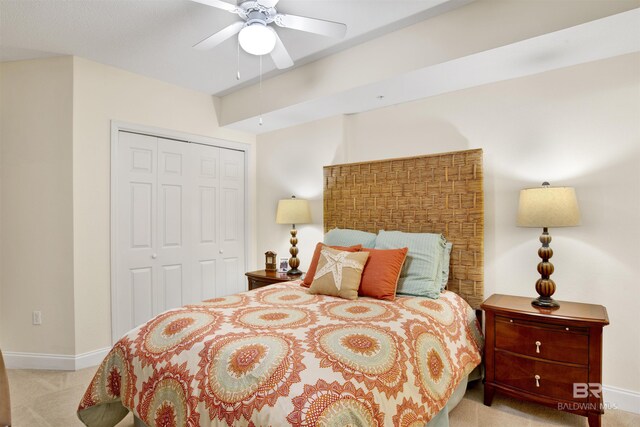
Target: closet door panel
[(141, 295), (207, 278), (174, 227), (180, 226), (172, 285), (205, 161), (171, 209), (232, 282), (141, 209), (232, 213), (206, 210), (136, 268)]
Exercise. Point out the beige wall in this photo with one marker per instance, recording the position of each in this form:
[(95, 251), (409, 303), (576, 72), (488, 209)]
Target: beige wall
[(289, 165), (102, 94), (55, 195), (37, 207), (576, 126)]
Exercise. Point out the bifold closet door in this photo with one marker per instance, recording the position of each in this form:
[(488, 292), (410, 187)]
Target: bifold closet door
[(180, 225), (231, 277), (218, 218), (137, 222), (173, 244)]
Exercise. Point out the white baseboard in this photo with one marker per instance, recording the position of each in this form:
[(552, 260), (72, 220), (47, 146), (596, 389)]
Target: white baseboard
[(91, 358), (619, 398), (55, 362)]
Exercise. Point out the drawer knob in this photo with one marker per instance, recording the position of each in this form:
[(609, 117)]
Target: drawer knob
[(537, 377), (538, 344)]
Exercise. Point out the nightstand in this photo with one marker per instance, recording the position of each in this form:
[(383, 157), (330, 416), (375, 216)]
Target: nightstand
[(552, 357), (260, 278)]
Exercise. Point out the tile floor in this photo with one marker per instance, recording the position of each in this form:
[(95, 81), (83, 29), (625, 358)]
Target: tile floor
[(50, 399)]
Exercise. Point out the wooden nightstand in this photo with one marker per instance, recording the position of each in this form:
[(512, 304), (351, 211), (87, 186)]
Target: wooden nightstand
[(539, 354), (260, 278)]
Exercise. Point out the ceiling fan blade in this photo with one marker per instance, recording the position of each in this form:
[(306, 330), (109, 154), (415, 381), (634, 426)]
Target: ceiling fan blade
[(268, 3), (280, 55), (219, 4), (222, 35), (311, 25)]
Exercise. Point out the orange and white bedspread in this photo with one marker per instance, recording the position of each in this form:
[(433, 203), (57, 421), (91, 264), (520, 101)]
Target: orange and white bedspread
[(280, 356)]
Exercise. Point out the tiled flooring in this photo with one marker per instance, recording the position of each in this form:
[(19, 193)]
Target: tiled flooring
[(50, 398), (510, 412)]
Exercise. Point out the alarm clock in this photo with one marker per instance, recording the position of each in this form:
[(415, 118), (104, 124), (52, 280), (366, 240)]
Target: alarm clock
[(270, 263)]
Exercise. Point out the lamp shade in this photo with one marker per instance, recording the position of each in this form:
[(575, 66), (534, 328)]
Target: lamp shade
[(548, 207), (293, 211)]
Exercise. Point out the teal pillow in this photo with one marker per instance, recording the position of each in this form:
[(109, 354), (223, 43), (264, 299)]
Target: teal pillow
[(419, 275), (346, 237), (446, 260)]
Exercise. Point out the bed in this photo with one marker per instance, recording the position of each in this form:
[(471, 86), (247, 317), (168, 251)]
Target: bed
[(282, 356)]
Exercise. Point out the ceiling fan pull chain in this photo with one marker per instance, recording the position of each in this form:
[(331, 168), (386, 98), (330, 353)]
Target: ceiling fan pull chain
[(260, 95)]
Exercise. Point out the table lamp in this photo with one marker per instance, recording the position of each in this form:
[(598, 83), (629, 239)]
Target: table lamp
[(293, 211), (547, 207)]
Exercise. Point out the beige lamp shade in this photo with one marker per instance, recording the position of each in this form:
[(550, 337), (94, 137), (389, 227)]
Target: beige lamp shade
[(548, 207), (293, 211)]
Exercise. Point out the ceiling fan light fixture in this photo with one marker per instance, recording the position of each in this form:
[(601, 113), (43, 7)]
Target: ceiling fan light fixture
[(257, 38)]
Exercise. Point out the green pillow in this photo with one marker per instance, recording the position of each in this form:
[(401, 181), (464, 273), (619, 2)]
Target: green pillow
[(419, 275), (444, 271), (347, 237)]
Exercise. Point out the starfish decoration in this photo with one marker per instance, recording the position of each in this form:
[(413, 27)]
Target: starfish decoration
[(335, 263)]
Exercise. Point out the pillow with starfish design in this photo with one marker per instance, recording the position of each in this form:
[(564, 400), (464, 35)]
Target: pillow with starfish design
[(338, 273)]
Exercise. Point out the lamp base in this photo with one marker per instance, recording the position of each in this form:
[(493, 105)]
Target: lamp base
[(294, 262), (545, 302), (545, 287), (294, 272)]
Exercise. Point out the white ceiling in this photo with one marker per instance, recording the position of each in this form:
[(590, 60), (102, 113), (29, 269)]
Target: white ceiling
[(599, 39), (154, 37)]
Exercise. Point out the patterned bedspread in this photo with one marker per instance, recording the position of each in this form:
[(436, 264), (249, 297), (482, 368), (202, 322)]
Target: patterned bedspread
[(281, 356)]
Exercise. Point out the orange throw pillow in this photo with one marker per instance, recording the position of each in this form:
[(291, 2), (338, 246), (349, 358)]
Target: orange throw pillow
[(381, 273), (313, 266)]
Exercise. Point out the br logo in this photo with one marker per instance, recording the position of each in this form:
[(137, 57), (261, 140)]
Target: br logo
[(582, 390)]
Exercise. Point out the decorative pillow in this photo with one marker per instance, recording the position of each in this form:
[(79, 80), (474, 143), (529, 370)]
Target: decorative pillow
[(446, 260), (346, 237), (311, 271), (424, 260), (338, 273), (381, 273)]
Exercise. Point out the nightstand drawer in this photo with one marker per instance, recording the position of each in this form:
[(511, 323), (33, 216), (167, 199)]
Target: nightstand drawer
[(543, 341), (255, 283), (554, 380)]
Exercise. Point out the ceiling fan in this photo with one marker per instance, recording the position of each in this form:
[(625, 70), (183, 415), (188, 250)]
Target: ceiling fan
[(257, 37)]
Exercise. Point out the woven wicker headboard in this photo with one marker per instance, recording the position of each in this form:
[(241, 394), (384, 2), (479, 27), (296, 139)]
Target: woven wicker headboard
[(440, 193)]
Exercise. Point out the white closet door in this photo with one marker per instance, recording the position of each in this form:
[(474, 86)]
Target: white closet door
[(137, 272), (231, 274), (174, 243), (180, 224), (205, 218)]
